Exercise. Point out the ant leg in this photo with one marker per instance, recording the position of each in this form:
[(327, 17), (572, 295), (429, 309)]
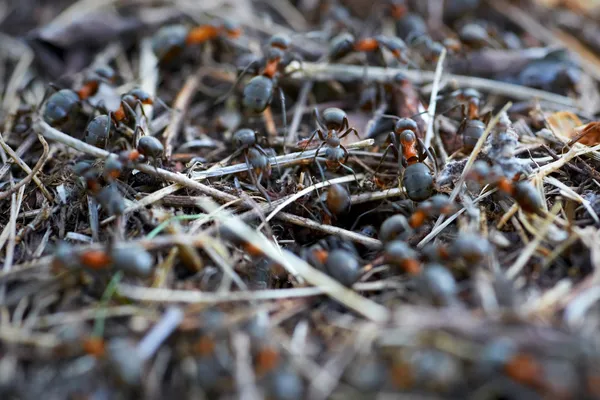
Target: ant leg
[(347, 168), (392, 146), (325, 209), (224, 96), (283, 112), (425, 153), (129, 113), (356, 221), (343, 164), (348, 131), (318, 131), (255, 181), (317, 151), (233, 155), (321, 170), (138, 102), (47, 94)]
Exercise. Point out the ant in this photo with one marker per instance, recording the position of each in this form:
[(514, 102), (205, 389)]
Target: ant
[(522, 191), (467, 249), (169, 41), (129, 101), (132, 259), (257, 159), (472, 125), (346, 43), (334, 120), (437, 205), (258, 92), (343, 266), (337, 202), (410, 151), (64, 102), (399, 253)]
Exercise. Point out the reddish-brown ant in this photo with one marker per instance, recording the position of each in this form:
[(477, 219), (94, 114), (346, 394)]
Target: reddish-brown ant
[(400, 254), (131, 259), (170, 40), (257, 159), (472, 125), (410, 152), (258, 92), (63, 103), (346, 43), (523, 192)]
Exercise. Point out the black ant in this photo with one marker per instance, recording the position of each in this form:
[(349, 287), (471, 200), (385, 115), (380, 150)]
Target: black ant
[(334, 121), (170, 40)]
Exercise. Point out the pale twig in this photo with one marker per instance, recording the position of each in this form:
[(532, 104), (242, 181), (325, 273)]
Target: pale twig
[(22, 149), (287, 159), (347, 73), (12, 232), (298, 113), (302, 193), (244, 372), (160, 332), (293, 263), (182, 102), (531, 247), (433, 99), (31, 173), (330, 230), (436, 230), (159, 295), (374, 196)]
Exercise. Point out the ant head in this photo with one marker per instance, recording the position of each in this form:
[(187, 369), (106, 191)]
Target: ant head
[(141, 95), (404, 124), (232, 29), (169, 40), (280, 41)]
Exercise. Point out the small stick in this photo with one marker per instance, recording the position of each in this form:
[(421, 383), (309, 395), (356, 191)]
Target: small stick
[(433, 99), (302, 193), (182, 102), (528, 251), (298, 113), (161, 331), (31, 174), (287, 159), (22, 149), (345, 73), (374, 196)]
